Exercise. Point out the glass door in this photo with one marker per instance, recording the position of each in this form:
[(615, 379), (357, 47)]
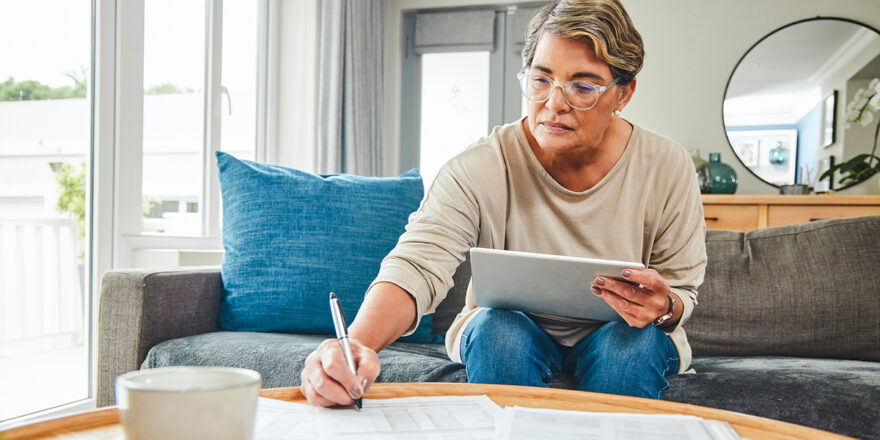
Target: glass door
[(45, 145)]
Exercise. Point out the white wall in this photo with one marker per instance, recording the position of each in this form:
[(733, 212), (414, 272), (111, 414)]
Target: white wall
[(691, 48)]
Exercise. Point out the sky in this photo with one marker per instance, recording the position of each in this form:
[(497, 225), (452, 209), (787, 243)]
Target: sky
[(43, 39)]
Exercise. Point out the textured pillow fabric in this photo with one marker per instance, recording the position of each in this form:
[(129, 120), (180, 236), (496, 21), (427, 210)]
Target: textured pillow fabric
[(806, 290), (292, 237)]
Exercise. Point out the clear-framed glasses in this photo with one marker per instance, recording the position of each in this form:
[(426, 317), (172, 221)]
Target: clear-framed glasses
[(582, 95)]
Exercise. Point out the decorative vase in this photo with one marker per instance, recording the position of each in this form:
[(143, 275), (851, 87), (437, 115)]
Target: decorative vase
[(778, 155), (699, 162), (717, 177)]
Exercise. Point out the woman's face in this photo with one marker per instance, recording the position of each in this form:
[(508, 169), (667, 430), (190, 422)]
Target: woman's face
[(555, 125)]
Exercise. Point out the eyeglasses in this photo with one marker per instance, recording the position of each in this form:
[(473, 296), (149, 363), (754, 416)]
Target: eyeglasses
[(582, 95)]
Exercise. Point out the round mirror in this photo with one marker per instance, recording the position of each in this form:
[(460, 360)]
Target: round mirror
[(788, 104)]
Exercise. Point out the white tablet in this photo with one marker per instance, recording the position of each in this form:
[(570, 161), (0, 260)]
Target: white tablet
[(543, 283)]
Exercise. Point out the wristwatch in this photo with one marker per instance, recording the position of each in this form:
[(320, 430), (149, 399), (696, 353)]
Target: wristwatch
[(669, 313)]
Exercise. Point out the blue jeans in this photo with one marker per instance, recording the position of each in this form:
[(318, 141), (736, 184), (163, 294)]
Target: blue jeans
[(507, 347)]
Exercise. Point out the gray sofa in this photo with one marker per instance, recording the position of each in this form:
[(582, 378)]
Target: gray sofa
[(787, 327)]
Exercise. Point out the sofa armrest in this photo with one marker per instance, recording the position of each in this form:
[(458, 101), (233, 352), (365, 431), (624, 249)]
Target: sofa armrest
[(141, 308)]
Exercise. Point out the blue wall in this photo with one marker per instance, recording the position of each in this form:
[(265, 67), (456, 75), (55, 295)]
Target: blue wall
[(809, 128)]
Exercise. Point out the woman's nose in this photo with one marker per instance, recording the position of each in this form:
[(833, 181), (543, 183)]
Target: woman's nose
[(556, 101)]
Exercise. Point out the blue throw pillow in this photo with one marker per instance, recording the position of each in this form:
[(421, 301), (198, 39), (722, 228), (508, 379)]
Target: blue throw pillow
[(292, 237)]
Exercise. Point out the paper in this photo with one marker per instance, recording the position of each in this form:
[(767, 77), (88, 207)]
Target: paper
[(428, 418), (470, 418), (279, 420), (537, 424)]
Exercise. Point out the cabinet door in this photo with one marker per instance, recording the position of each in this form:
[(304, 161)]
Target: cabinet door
[(731, 217), (780, 215)]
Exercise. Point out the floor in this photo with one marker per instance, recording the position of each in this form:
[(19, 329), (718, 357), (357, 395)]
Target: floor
[(39, 381)]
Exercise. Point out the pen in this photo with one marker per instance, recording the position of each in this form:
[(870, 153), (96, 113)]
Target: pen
[(342, 335)]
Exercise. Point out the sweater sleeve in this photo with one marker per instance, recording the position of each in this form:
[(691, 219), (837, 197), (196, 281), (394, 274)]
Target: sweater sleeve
[(437, 237), (679, 250)]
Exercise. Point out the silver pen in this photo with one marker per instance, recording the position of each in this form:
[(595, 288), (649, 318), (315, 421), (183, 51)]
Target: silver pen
[(342, 335)]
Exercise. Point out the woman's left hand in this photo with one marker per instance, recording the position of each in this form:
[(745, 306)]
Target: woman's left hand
[(641, 300)]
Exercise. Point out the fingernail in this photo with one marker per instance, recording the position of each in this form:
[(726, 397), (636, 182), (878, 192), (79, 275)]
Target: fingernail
[(366, 384), (355, 393), (626, 272), (596, 290), (600, 281)]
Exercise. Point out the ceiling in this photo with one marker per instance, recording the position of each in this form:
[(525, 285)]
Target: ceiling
[(784, 62)]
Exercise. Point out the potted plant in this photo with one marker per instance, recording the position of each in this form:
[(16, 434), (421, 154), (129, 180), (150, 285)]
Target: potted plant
[(861, 109)]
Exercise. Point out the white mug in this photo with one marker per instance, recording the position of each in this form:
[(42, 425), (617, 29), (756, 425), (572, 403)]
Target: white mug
[(188, 403)]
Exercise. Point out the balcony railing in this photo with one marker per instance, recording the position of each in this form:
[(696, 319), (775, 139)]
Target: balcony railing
[(41, 285)]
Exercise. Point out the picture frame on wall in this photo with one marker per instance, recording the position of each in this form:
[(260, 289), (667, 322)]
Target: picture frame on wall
[(824, 185), (829, 119), (747, 151)]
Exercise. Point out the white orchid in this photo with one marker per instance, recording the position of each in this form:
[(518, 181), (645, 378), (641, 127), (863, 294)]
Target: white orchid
[(863, 104), (874, 103), (866, 119)]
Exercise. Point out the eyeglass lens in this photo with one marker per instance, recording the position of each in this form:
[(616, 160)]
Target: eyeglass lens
[(578, 94)]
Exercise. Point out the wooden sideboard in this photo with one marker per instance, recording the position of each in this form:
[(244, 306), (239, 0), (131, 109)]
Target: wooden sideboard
[(747, 212)]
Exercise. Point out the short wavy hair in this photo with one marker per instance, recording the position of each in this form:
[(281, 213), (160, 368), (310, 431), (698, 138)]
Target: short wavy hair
[(604, 23)]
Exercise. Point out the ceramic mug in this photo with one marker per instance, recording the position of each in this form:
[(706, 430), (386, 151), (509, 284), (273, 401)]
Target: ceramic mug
[(188, 403)]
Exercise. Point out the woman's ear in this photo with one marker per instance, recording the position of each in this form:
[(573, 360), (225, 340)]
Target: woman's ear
[(626, 94)]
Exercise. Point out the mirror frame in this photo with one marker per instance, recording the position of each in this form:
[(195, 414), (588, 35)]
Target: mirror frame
[(744, 55)]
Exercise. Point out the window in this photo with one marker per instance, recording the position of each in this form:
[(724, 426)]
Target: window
[(463, 64), (130, 157), (173, 113), (45, 146)]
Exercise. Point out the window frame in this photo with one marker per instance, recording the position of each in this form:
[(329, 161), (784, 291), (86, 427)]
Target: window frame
[(505, 98)]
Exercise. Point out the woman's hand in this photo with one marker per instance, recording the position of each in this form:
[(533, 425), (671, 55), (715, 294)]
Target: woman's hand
[(641, 300), (326, 379)]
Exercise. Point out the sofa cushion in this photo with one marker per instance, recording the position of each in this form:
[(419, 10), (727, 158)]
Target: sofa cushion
[(291, 237), (807, 290), (280, 357), (833, 395)]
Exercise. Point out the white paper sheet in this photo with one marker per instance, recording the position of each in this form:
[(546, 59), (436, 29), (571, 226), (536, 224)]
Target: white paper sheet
[(279, 420), (516, 423), (428, 418)]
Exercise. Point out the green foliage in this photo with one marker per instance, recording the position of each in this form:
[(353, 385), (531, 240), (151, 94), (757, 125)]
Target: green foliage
[(30, 90), (859, 167), (72, 201), (166, 89)]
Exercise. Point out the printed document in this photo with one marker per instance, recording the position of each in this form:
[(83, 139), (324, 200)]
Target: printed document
[(428, 418), (515, 423), (279, 420)]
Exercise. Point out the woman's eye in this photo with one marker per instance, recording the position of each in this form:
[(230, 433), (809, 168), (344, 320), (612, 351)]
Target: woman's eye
[(540, 81), (583, 88)]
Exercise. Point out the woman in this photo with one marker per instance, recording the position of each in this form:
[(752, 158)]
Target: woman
[(571, 178)]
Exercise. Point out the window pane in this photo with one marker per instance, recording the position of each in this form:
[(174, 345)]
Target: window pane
[(239, 100), (45, 124), (454, 107), (174, 108)]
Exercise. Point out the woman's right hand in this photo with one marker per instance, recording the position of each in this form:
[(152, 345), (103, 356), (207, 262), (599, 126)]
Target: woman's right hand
[(326, 379)]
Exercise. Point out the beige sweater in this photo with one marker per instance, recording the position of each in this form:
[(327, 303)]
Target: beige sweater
[(496, 194)]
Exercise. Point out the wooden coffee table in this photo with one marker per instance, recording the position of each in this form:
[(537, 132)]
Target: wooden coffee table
[(104, 423)]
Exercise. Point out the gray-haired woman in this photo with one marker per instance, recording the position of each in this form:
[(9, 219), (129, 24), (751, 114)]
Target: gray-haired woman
[(571, 178)]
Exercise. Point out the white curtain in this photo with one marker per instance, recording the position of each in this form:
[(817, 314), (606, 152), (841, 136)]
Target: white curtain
[(350, 101)]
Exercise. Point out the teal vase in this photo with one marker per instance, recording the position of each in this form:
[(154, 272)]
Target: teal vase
[(717, 177)]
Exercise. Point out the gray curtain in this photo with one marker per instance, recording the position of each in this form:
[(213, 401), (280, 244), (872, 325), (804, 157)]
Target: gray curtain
[(351, 80)]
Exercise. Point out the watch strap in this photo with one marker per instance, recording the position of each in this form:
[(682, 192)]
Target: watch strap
[(669, 313)]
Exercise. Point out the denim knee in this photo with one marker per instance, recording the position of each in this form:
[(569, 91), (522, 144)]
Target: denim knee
[(620, 359), (617, 342), (507, 347)]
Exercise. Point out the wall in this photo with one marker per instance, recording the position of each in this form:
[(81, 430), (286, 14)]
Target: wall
[(692, 47)]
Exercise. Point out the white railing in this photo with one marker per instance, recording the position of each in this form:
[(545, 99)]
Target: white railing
[(41, 285)]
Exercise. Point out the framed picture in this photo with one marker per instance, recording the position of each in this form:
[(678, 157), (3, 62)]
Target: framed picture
[(824, 185), (770, 154), (829, 119), (747, 151)]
